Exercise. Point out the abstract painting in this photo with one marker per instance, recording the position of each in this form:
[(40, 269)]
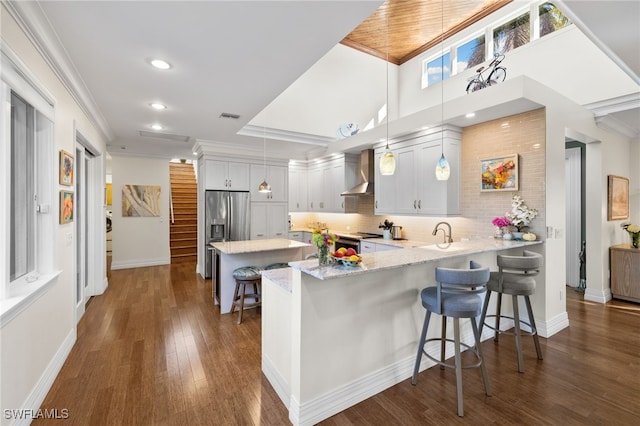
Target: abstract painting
[(66, 207), (66, 168), (140, 201), (499, 174)]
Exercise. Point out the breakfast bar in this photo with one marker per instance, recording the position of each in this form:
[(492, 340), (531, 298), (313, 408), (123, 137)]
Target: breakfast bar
[(229, 255), (336, 335)]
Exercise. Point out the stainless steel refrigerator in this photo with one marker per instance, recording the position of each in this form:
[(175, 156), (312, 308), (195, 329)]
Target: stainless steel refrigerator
[(227, 215)]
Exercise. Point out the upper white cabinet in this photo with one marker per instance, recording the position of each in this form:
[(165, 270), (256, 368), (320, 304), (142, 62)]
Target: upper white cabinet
[(327, 179), (298, 188), (268, 220), (227, 175), (413, 189), (277, 178)]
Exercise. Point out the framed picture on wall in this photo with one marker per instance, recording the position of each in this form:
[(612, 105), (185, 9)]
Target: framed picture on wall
[(499, 174), (66, 168), (66, 207), (618, 198)]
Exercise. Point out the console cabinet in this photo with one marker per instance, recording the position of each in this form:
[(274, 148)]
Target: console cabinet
[(625, 272)]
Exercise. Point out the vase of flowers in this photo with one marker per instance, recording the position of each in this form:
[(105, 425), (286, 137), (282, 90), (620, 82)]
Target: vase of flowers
[(520, 215), (634, 233), (322, 240), (502, 226)]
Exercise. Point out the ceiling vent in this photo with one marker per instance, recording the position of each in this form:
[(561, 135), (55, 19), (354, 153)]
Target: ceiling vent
[(229, 115), (167, 136)]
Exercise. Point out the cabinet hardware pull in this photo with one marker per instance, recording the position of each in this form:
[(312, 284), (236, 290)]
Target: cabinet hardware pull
[(414, 204), (419, 204)]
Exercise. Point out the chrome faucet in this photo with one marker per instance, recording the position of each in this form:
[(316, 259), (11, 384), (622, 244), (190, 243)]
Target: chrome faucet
[(447, 237)]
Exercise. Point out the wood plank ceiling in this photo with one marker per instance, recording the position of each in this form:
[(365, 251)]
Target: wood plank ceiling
[(415, 26)]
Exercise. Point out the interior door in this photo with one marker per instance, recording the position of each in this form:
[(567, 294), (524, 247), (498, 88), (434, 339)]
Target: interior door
[(573, 202)]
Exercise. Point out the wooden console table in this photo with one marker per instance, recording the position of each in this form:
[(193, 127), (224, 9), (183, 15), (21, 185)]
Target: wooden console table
[(625, 272)]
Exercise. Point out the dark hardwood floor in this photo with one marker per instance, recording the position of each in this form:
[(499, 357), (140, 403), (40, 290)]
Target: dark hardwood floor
[(153, 350)]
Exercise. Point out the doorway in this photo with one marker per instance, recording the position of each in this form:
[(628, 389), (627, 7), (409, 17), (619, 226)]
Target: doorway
[(89, 224), (575, 214)]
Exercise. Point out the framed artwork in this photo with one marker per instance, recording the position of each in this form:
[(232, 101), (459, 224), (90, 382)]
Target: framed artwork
[(618, 199), (140, 200), (499, 174), (66, 168), (66, 207)]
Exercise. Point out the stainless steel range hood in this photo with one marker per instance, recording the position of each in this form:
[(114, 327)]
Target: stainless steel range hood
[(365, 187)]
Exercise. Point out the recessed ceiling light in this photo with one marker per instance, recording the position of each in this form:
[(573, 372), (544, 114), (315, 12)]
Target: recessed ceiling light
[(194, 153), (160, 64), (470, 115), (158, 106), (157, 126)]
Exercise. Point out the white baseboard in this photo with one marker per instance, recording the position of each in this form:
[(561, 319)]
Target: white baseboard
[(141, 263), (558, 323), (42, 387), (599, 296), (276, 380)]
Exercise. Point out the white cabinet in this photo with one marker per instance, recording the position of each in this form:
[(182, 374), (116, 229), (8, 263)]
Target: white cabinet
[(328, 178), (413, 189), (226, 175), (298, 189), (296, 236), (371, 247), (277, 178), (268, 220)]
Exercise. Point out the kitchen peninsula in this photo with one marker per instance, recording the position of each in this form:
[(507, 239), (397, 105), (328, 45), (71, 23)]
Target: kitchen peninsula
[(334, 336), (229, 255)]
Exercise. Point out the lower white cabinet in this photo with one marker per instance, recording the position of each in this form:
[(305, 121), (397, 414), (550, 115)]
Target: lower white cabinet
[(371, 247), (269, 220), (296, 236)]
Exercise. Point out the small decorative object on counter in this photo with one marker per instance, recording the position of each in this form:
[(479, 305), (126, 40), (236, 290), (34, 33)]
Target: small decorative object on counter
[(502, 226), (520, 215), (386, 229), (634, 233), (322, 240)]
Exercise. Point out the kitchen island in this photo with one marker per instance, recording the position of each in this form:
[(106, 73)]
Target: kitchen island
[(335, 336), (229, 255)]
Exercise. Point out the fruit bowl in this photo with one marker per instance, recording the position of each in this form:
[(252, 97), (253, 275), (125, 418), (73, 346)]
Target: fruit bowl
[(347, 261)]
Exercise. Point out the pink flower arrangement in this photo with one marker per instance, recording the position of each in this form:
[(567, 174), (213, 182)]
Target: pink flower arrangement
[(501, 221)]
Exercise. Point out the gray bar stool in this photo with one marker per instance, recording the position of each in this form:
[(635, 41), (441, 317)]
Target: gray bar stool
[(514, 277), (457, 295), (244, 276)]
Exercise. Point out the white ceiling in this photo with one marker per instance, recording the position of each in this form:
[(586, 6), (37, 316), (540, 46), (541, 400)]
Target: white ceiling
[(233, 57)]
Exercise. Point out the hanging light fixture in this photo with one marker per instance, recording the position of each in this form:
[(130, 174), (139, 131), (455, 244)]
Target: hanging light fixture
[(442, 167), (264, 187), (388, 161)]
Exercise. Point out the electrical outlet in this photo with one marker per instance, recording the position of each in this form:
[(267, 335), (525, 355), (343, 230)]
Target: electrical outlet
[(549, 232), (69, 239), (558, 232)]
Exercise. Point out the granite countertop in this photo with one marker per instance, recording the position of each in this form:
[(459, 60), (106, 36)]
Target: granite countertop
[(398, 243), (281, 277), (409, 256), (253, 246)]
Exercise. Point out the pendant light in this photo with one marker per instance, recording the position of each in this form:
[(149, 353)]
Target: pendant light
[(264, 187), (442, 168), (388, 161)]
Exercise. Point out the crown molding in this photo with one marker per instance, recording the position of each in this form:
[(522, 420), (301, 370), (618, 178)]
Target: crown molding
[(601, 111), (285, 135), (33, 22)]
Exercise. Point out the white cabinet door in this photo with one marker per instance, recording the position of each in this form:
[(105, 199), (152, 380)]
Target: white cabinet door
[(367, 247), (297, 190), (406, 183), (438, 197), (316, 195), (268, 220), (238, 175), (296, 236), (276, 177), (216, 176), (224, 175), (386, 247)]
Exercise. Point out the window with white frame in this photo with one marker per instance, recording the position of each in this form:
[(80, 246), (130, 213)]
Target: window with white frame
[(502, 36), (28, 163)]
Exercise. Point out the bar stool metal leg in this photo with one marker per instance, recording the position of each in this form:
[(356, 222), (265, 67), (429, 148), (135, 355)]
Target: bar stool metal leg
[(518, 335), (532, 324), (423, 337)]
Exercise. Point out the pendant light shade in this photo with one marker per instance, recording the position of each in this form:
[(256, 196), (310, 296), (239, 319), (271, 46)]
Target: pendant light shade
[(387, 163), (264, 187), (442, 169)]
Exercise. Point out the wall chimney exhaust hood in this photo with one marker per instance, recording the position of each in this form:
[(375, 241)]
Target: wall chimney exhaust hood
[(365, 187)]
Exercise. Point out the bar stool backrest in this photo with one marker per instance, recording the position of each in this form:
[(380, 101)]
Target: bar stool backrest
[(528, 264), (461, 281)]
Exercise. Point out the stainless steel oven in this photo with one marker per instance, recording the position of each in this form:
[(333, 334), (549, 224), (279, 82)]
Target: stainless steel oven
[(353, 241)]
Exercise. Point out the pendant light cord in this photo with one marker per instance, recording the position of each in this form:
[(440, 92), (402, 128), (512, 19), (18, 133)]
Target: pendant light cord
[(442, 79), (387, 70)]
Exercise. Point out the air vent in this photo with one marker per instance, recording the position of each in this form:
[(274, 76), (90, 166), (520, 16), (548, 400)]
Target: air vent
[(229, 115), (168, 136)]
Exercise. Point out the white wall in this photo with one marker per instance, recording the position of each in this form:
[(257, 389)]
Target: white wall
[(140, 241), (37, 341)]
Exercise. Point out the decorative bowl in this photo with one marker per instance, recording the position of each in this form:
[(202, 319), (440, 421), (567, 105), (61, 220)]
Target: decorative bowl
[(347, 262)]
